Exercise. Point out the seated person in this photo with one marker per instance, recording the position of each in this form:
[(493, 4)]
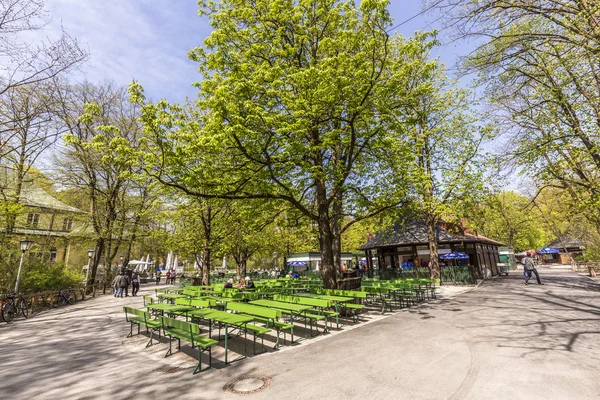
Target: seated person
[(228, 284), (295, 275), (249, 283)]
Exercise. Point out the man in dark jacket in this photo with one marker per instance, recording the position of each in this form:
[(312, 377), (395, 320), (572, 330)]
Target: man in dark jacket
[(529, 267), (123, 283), (135, 284)]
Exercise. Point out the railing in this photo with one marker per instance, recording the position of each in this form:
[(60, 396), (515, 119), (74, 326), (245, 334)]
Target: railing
[(461, 274), (586, 267), (41, 301)]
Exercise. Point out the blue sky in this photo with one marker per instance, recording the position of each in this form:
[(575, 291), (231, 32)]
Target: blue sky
[(148, 40)]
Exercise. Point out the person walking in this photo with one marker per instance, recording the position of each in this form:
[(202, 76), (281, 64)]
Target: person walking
[(123, 283), (529, 268), (115, 285), (173, 277), (168, 277), (135, 284), (158, 274)]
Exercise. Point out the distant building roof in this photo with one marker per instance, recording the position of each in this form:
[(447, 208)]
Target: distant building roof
[(32, 195), (569, 242), (36, 197), (415, 233)]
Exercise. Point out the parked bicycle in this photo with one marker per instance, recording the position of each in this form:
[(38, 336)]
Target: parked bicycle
[(62, 298), (14, 305)]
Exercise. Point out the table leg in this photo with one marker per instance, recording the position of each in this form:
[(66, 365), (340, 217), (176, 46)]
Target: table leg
[(226, 335)]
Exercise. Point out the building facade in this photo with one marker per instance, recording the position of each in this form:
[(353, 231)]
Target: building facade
[(402, 243)]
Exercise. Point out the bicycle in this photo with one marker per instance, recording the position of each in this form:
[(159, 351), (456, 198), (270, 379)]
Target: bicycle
[(14, 305), (63, 298)]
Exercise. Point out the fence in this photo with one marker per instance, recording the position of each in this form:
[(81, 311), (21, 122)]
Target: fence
[(586, 267), (460, 274), (41, 301)]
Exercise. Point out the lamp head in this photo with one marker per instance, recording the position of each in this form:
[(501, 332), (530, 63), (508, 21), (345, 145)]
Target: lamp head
[(26, 244)]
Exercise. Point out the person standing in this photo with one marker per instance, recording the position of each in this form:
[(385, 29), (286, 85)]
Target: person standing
[(158, 274), (529, 268), (115, 285), (123, 283), (173, 277), (135, 284), (128, 282), (168, 280)]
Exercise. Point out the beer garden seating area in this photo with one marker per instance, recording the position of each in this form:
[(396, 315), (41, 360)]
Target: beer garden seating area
[(300, 308)]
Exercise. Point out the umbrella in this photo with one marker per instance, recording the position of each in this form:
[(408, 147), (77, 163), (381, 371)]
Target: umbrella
[(454, 256), (224, 266), (197, 263), (297, 264), (548, 250), (175, 264), (136, 262), (169, 260)]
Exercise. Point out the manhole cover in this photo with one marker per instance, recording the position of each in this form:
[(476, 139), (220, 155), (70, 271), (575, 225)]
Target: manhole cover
[(248, 384)]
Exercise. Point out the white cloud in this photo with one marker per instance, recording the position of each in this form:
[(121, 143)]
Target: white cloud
[(136, 39)]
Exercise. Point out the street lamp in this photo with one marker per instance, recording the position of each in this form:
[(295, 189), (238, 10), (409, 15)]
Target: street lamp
[(25, 245), (91, 253)]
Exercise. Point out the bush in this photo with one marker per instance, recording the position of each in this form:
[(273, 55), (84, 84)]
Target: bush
[(37, 276)]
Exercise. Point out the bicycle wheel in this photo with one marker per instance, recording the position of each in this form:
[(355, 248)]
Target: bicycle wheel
[(70, 298), (24, 307), (57, 301), (8, 312)]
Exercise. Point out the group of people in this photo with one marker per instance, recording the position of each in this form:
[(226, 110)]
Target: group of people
[(242, 283), (121, 283), (170, 276)]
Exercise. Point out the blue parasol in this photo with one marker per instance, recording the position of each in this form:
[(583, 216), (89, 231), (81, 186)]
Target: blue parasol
[(297, 264), (548, 250), (454, 256)]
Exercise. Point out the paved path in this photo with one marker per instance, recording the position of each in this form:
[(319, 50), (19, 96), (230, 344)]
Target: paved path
[(503, 340)]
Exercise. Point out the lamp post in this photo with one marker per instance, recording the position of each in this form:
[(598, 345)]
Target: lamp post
[(91, 253), (25, 245)]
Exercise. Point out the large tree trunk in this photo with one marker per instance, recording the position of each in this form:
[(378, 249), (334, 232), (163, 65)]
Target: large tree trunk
[(336, 230), (326, 238), (206, 264), (99, 250), (433, 247)]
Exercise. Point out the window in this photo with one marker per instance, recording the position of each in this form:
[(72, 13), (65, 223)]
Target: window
[(67, 224), (53, 254), (33, 219)]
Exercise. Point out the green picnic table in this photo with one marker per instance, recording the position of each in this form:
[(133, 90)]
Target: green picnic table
[(290, 307), (336, 300), (169, 308), (171, 296), (223, 317)]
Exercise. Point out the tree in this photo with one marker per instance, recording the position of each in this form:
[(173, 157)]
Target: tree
[(510, 218), (445, 165), (540, 66), (28, 127), (98, 118), (24, 62), (296, 103)]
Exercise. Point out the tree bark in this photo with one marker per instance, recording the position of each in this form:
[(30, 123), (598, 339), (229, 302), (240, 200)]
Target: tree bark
[(433, 248), (99, 249), (206, 264)]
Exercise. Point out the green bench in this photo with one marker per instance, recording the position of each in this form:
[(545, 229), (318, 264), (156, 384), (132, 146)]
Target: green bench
[(196, 303), (353, 307), (188, 332), (320, 304), (268, 316), (141, 317)]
